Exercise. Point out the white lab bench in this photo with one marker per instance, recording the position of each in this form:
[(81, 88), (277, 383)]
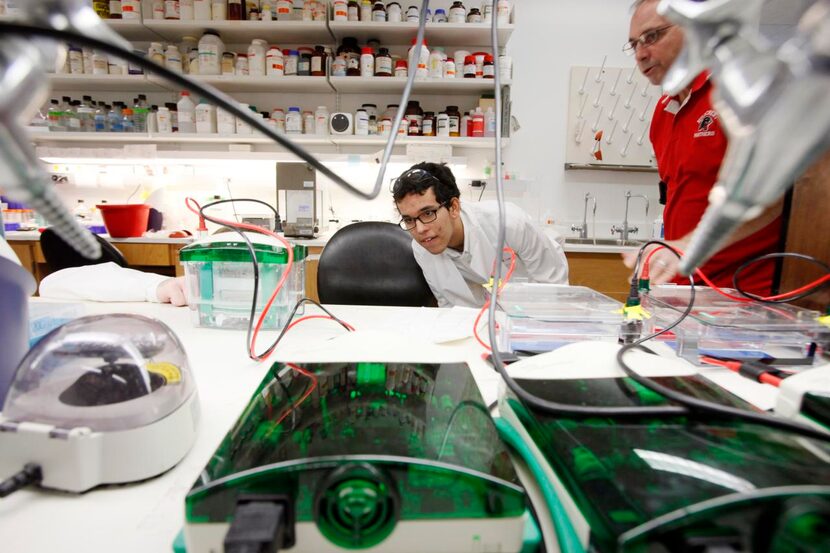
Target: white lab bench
[(146, 516)]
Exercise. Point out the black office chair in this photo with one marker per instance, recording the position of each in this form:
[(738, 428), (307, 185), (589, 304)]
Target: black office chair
[(371, 263), (60, 255)]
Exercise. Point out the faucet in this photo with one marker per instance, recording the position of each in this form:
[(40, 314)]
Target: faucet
[(583, 228), (625, 230)]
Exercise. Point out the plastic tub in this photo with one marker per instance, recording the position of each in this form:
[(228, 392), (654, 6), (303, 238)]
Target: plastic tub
[(125, 220)]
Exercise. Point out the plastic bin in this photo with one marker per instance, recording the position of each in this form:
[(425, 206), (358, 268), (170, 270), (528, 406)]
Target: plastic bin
[(219, 280), (125, 220)]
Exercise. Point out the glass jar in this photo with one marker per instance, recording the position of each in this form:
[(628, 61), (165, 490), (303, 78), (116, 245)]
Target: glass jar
[(383, 63), (489, 68), (349, 50), (428, 126), (442, 125), (228, 63), (304, 66), (474, 16), (454, 121), (379, 12), (415, 117), (440, 16), (469, 67), (278, 115), (353, 11), (318, 61), (242, 67), (413, 14), (393, 12), (458, 13)]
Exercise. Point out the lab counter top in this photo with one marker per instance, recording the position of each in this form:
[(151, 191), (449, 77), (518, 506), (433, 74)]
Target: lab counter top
[(146, 516), (154, 238)]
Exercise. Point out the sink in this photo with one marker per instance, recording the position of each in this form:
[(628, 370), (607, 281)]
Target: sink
[(604, 242)]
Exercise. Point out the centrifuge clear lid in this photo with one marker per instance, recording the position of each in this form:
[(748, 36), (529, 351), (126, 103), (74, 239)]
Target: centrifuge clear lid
[(104, 372)]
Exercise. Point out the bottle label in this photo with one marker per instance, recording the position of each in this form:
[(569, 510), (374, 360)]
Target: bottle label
[(317, 64), (453, 122), (383, 65), (352, 61)]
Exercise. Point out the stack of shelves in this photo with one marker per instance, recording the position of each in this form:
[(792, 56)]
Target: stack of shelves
[(282, 32)]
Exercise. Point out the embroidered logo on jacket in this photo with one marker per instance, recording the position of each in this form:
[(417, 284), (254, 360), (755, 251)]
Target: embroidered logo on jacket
[(705, 122)]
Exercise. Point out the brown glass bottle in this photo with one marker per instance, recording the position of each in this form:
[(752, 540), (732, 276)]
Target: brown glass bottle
[(351, 52), (415, 116), (454, 122), (236, 10), (318, 61)]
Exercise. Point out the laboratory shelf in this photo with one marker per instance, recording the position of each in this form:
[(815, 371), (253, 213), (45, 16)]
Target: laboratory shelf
[(133, 30), (238, 83), (458, 142), (91, 84), (394, 85), (283, 33), (437, 34), (42, 137)]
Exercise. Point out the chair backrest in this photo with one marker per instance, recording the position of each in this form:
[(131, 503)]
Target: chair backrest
[(60, 255), (371, 263)]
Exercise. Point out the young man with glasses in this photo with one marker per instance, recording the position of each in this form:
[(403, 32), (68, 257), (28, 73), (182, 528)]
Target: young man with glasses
[(455, 246), (689, 144)]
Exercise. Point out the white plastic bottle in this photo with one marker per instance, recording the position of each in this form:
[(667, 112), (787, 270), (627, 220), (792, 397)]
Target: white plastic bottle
[(201, 10), (242, 126), (503, 12), (321, 117), (131, 9), (256, 57), (489, 122), (187, 113), (436, 64), (293, 121), (421, 66), (205, 117), (361, 122), (187, 10), (367, 62), (211, 48), (225, 122), (173, 59), (164, 120)]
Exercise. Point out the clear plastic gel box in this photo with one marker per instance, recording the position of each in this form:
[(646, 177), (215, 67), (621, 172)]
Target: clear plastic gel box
[(219, 279), (723, 327), (543, 317)]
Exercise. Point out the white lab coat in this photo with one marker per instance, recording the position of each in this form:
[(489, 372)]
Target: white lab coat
[(102, 282), (456, 278)]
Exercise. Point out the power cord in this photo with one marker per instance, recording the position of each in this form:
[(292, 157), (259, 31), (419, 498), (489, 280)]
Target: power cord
[(30, 474), (261, 524), (792, 295)]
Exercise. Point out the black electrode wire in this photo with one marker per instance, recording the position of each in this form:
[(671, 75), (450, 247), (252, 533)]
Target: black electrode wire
[(811, 290), (525, 396), (698, 408), (221, 99), (300, 302), (254, 301)]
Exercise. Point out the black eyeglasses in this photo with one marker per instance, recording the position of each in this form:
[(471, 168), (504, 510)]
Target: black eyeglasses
[(646, 39), (426, 217)]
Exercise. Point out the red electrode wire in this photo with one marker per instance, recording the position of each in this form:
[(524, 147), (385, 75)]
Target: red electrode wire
[(305, 395), (288, 247), (188, 201), (307, 317), (735, 366), (498, 290), (645, 274)]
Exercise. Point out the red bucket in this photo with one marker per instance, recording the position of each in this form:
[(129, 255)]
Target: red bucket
[(125, 220)]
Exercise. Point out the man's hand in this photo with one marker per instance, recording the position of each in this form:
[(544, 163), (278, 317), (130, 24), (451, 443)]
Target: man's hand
[(663, 265), (172, 291)]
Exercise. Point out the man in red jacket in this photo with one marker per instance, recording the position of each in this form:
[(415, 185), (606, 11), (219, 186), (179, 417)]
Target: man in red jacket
[(689, 144)]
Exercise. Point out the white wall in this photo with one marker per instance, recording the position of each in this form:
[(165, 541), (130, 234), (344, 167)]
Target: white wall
[(549, 39)]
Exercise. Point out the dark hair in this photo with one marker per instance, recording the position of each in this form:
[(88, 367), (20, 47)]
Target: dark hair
[(431, 175)]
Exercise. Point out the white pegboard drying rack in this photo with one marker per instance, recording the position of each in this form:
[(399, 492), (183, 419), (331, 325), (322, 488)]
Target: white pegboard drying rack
[(609, 114)]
